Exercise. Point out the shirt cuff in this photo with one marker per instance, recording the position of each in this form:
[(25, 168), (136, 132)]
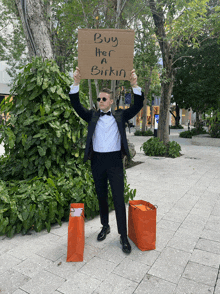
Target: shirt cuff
[(137, 91), (74, 89)]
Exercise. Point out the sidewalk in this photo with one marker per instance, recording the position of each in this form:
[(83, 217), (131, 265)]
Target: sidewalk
[(187, 256)]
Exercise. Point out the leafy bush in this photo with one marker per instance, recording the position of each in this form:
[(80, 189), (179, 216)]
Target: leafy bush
[(173, 149), (215, 131), (186, 134), (199, 131), (214, 121), (177, 127), (193, 132), (155, 147), (145, 133), (38, 203), (42, 171)]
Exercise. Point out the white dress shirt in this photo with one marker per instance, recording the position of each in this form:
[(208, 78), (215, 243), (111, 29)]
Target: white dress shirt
[(106, 137)]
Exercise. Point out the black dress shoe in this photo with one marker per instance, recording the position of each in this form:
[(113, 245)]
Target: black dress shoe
[(126, 247), (102, 235)]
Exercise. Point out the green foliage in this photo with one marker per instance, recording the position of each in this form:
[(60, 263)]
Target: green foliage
[(155, 147), (213, 120), (173, 149), (43, 136), (192, 132), (198, 131), (177, 127), (215, 131), (197, 83), (186, 134), (42, 170), (39, 203), (145, 133)]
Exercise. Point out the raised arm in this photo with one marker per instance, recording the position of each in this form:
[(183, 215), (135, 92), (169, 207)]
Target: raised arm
[(84, 113)]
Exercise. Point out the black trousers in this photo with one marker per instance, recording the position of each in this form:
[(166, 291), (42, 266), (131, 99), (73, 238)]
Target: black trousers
[(109, 166)]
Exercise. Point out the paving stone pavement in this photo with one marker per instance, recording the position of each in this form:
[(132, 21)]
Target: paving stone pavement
[(187, 256)]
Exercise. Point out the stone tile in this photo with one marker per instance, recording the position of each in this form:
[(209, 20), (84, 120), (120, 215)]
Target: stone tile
[(171, 273), (173, 256), (205, 258), (117, 285), (201, 212), (113, 252), (52, 252), (80, 283), (186, 286), (185, 243), (162, 238), (98, 268), (187, 224), (168, 225), (5, 246), (170, 264), (146, 257), (176, 216), (213, 223), (11, 281), (64, 269), (201, 273), (208, 245), (154, 285), (190, 232), (59, 230), (210, 235), (8, 261), (25, 250), (44, 282), (32, 266), (47, 239), (131, 270), (19, 291), (216, 210), (217, 287)]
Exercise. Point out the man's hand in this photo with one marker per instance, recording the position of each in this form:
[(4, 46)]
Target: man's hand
[(76, 76), (133, 78)]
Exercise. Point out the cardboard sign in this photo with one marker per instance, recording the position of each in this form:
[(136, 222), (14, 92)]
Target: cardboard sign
[(105, 54)]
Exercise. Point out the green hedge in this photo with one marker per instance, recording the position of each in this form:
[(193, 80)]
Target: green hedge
[(145, 133), (155, 147), (193, 132), (38, 203)]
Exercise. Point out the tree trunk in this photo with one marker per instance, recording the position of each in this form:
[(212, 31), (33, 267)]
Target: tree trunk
[(147, 88), (163, 125), (177, 119), (36, 28), (167, 78)]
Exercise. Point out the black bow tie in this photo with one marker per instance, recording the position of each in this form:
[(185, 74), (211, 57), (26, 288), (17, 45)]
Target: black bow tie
[(108, 113)]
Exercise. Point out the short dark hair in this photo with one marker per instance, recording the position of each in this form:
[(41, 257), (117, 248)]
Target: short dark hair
[(108, 91)]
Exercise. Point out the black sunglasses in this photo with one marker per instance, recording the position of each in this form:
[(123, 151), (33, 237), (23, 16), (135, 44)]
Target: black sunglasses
[(99, 99)]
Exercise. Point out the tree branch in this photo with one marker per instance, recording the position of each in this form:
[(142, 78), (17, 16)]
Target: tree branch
[(122, 8), (86, 20), (182, 57)]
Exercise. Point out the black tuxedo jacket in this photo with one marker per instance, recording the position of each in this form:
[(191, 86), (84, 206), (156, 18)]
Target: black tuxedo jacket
[(121, 116)]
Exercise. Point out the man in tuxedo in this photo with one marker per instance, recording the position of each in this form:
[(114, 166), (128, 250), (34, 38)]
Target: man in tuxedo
[(106, 146)]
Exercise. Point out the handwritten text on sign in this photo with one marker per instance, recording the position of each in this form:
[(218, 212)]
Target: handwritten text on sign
[(105, 54)]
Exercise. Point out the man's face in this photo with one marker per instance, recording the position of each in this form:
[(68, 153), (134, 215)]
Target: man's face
[(105, 105)]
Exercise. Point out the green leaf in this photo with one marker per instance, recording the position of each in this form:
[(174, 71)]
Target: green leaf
[(51, 182), (31, 86), (48, 163), (53, 89)]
